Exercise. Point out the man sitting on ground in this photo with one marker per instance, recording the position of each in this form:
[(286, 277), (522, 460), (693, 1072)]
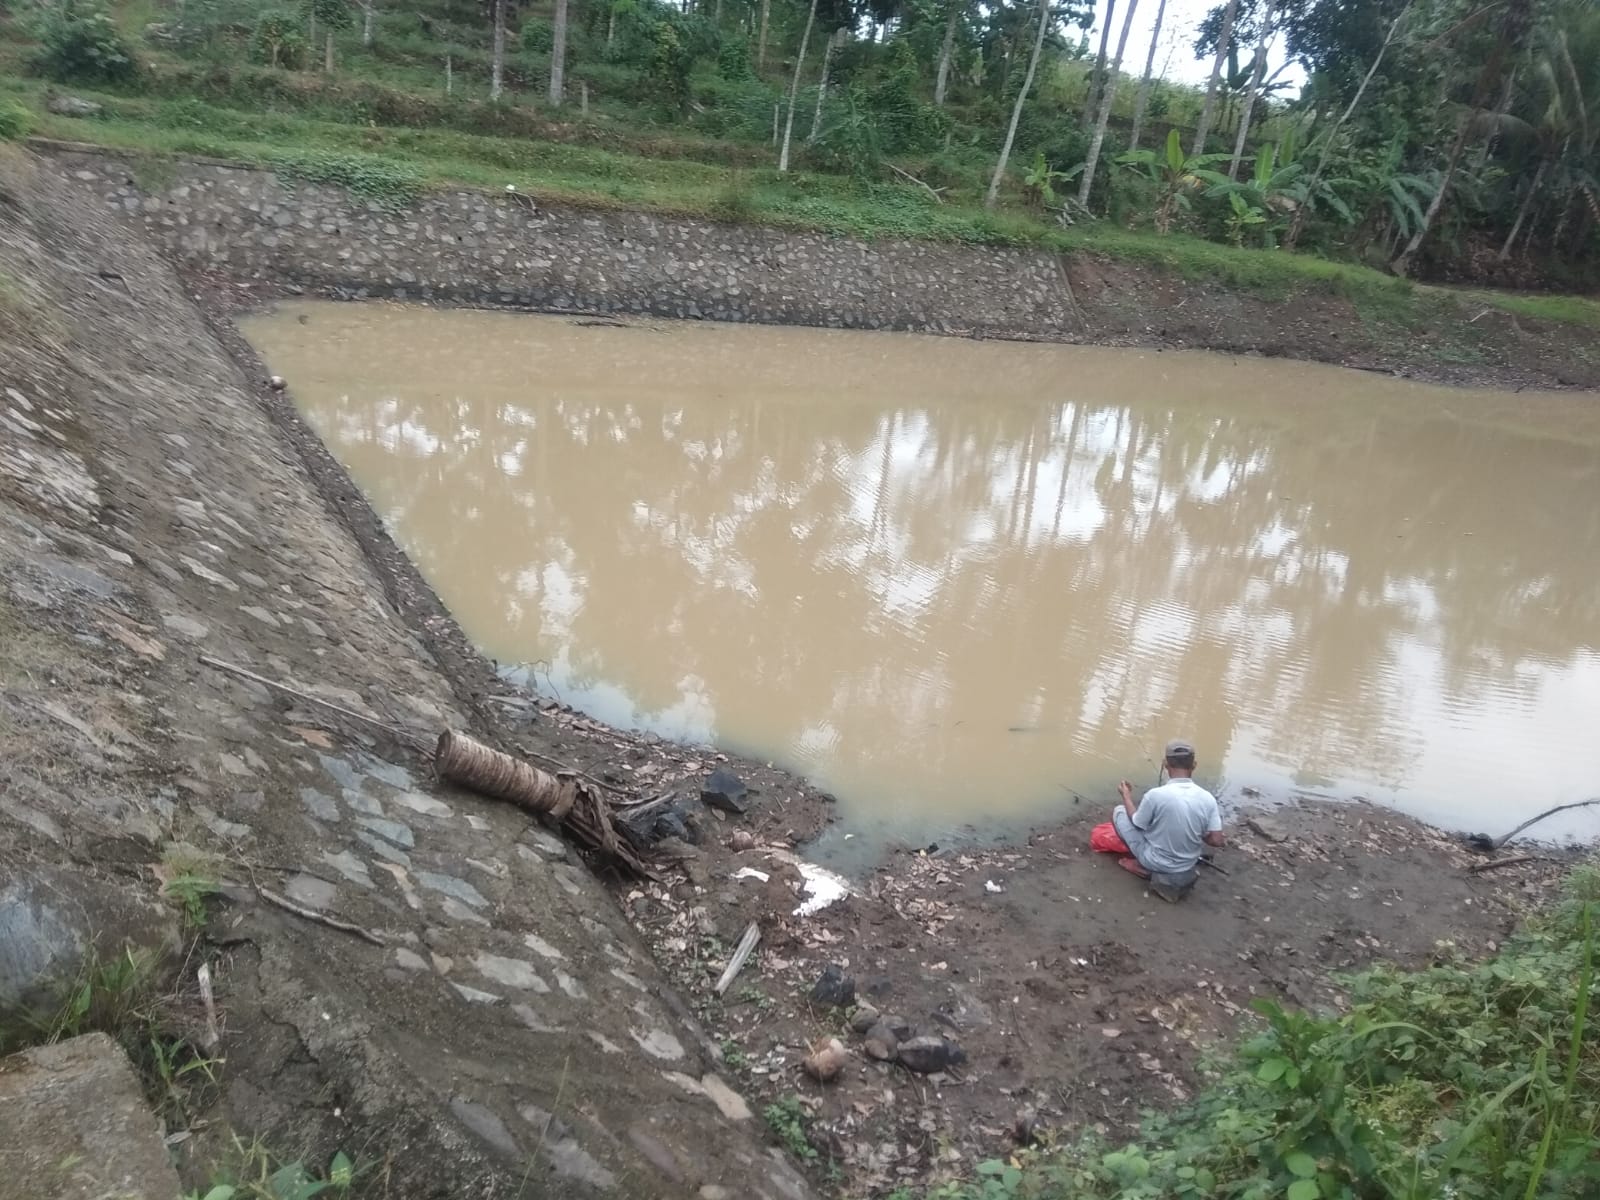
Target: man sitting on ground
[(1172, 824)]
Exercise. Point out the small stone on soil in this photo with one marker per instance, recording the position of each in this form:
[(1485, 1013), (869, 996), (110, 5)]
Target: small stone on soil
[(881, 1043), (928, 1055), (864, 1019), (834, 987)]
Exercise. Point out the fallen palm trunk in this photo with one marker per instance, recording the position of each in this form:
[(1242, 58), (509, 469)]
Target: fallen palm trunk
[(562, 798)]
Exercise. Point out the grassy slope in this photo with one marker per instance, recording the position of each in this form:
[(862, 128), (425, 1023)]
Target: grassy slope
[(611, 158)]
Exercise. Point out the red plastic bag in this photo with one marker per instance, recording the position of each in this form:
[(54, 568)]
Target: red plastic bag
[(1104, 839)]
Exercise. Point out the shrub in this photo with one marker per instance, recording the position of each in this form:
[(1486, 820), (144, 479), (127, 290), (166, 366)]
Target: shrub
[(389, 184), (82, 44), (538, 37), (277, 40), (16, 122)]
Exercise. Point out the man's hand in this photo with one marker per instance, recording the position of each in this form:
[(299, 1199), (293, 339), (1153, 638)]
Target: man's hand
[(1125, 789)]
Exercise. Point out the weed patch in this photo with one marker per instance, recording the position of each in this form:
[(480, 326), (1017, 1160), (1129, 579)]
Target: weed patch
[(251, 1172), (391, 185), (108, 995), (788, 1121)]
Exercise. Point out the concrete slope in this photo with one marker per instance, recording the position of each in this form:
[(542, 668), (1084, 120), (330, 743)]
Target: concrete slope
[(511, 1036)]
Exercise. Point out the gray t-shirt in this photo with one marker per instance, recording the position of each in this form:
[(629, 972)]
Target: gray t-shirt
[(1174, 818)]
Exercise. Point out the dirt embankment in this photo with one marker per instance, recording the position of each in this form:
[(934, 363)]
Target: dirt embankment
[(153, 506)]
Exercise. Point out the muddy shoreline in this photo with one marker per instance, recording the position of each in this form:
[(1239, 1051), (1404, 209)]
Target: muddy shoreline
[(1077, 998)]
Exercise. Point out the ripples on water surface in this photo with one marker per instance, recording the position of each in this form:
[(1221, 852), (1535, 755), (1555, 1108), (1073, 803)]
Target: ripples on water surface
[(957, 580)]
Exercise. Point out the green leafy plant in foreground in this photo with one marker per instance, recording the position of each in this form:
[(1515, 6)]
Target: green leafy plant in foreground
[(1473, 1081), (787, 1119), (257, 1175), (110, 994)]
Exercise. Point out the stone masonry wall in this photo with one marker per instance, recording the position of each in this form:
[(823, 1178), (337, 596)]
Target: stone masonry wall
[(477, 247)]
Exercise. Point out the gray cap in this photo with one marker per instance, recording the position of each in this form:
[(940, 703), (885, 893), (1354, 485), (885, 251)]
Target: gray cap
[(1180, 748)]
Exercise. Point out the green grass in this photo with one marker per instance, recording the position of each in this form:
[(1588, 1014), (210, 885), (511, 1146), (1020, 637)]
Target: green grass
[(1570, 310), (1464, 1079)]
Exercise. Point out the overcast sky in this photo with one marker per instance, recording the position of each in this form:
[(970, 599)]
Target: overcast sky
[(1175, 57)]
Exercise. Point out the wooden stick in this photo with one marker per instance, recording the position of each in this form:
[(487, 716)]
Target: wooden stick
[(934, 192), (209, 999), (274, 685), (747, 944), (1494, 864), (1479, 842), (311, 914)]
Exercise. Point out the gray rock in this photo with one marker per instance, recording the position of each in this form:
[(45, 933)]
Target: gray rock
[(319, 804), (393, 831), (864, 1018), (72, 106), (880, 1042), (510, 972), (486, 1125), (449, 885), (309, 890), (724, 790), (187, 626), (833, 987), (51, 924), (928, 1055), (79, 1102)]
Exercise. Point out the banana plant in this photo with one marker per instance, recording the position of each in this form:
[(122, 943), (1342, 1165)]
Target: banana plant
[(1179, 176), (1278, 187), (1041, 178), (1242, 215)]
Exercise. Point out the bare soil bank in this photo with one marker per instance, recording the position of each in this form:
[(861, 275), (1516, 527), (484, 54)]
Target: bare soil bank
[(1077, 998), (1442, 339)]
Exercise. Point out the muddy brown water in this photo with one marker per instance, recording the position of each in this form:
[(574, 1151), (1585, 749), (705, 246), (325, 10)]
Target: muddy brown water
[(962, 583)]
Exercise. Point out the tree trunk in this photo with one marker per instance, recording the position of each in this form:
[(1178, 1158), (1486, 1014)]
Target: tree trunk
[(1016, 109), (1209, 108), (311, 30), (1522, 211), (611, 27), (1103, 118), (366, 22), (1500, 110), (1256, 75), (1097, 81), (794, 89), (1512, 32), (946, 50), (449, 77), (1299, 221), (1143, 98), (327, 52), (1402, 262), (822, 85), (558, 55), (497, 62), (761, 38)]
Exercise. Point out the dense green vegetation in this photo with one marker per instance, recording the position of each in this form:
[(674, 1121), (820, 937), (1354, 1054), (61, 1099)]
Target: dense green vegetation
[(1445, 138), (1465, 1080)]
